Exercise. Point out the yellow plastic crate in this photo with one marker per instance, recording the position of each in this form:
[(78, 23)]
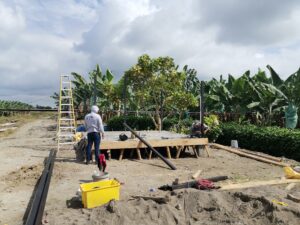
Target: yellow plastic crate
[(98, 193)]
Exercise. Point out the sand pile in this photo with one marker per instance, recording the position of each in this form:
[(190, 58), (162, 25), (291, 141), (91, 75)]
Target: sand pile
[(26, 175), (196, 207)]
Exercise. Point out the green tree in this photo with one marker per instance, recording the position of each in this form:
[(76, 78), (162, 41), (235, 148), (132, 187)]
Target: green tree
[(156, 83)]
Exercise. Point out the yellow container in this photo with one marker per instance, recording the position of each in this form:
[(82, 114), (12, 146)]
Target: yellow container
[(100, 192)]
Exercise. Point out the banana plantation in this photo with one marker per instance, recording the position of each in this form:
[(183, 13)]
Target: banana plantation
[(158, 88), (4, 105)]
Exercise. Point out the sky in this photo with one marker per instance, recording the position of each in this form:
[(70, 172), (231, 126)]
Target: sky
[(43, 39)]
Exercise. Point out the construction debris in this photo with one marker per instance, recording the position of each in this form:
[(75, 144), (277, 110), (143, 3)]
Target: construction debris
[(202, 184), (293, 198)]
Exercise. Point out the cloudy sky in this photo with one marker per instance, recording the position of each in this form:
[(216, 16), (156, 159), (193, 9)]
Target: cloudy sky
[(41, 39)]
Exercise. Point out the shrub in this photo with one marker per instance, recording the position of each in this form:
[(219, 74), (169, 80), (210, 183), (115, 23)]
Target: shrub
[(168, 123), (271, 140), (135, 122), (212, 121), (182, 126)]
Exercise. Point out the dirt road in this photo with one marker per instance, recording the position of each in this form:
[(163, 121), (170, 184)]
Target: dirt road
[(23, 153), (21, 156)]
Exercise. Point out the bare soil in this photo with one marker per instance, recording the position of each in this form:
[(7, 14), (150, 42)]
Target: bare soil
[(22, 156)]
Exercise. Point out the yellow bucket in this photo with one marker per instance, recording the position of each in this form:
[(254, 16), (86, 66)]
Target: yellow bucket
[(98, 193)]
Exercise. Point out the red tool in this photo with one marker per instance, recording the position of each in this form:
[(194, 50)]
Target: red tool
[(102, 163)]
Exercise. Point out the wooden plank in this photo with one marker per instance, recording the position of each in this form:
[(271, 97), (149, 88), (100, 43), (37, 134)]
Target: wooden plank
[(290, 186), (261, 155), (108, 144), (232, 150), (253, 184)]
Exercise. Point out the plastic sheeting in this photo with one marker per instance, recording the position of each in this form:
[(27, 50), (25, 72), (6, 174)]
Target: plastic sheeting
[(291, 116)]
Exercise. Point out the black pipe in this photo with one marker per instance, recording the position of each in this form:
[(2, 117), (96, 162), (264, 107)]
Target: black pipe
[(150, 147), (38, 205)]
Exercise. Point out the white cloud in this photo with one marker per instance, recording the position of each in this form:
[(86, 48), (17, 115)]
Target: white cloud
[(39, 40)]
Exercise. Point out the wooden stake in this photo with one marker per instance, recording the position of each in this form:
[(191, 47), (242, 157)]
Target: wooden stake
[(197, 174)]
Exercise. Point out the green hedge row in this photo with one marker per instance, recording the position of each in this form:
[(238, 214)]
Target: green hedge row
[(135, 122), (271, 140), (142, 123)]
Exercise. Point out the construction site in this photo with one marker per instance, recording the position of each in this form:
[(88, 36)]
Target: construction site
[(150, 177)]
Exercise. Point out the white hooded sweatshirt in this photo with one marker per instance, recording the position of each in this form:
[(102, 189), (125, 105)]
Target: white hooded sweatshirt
[(93, 121)]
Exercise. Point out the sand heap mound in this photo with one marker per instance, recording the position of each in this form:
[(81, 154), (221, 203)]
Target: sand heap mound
[(197, 207)]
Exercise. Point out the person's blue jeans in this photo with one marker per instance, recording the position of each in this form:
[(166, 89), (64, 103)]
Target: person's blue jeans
[(93, 138)]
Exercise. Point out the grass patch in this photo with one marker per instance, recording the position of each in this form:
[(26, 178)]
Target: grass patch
[(21, 119)]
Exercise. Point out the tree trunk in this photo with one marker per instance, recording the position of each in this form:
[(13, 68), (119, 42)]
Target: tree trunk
[(158, 119)]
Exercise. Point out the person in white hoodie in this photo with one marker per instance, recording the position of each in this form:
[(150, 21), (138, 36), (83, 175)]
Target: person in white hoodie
[(95, 132)]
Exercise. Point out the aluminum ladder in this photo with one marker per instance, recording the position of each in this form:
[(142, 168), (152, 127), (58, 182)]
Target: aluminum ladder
[(66, 124)]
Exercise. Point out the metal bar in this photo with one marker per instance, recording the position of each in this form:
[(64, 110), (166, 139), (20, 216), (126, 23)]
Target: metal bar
[(124, 97), (38, 204), (29, 110), (150, 147), (95, 89), (202, 103)]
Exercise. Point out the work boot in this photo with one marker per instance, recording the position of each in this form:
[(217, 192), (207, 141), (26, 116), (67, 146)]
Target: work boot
[(87, 162)]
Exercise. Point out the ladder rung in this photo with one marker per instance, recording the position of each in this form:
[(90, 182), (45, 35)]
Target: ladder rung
[(65, 135), (66, 89), (66, 111), (67, 127), (66, 104), (66, 82), (63, 97), (65, 119)]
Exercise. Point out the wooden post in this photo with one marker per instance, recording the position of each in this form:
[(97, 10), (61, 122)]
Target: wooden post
[(150, 155), (138, 154), (206, 149), (109, 154), (179, 148), (195, 151), (121, 154), (168, 152)]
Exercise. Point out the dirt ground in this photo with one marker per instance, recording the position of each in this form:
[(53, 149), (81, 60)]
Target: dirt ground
[(20, 170)]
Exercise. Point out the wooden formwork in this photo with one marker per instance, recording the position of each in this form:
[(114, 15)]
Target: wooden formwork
[(179, 144)]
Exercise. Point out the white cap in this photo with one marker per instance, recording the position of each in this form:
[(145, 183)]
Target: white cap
[(95, 109)]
